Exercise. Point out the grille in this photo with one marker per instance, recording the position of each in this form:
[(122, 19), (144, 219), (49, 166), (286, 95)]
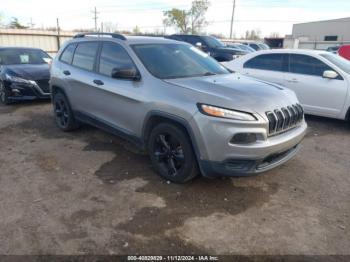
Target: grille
[(44, 85), (281, 120)]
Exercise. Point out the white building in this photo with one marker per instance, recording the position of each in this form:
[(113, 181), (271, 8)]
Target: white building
[(328, 30)]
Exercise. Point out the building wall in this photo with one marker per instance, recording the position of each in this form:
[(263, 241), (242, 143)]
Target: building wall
[(46, 40), (316, 31)]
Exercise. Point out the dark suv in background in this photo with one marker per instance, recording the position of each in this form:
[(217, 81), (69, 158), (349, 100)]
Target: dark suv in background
[(214, 47)]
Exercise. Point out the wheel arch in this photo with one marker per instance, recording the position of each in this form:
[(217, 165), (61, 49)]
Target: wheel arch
[(154, 118)]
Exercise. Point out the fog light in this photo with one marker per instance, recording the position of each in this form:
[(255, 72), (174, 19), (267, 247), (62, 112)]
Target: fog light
[(243, 138)]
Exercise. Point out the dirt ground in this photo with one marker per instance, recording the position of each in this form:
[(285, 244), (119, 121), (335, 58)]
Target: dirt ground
[(88, 192)]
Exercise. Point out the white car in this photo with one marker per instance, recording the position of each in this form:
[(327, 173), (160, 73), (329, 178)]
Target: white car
[(320, 79)]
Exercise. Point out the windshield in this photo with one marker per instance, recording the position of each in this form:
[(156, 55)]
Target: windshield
[(19, 56), (213, 42), (339, 61), (263, 46), (168, 61)]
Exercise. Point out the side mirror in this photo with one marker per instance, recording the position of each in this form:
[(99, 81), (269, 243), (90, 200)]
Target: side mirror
[(330, 74), (199, 45), (126, 74)]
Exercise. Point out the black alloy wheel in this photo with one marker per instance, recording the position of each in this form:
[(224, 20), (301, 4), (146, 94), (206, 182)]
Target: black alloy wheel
[(172, 154), (63, 113)]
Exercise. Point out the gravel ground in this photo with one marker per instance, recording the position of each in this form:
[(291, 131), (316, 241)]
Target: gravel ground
[(88, 192)]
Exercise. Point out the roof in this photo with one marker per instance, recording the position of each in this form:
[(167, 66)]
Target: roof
[(129, 39), (294, 51), (18, 47), (345, 19)]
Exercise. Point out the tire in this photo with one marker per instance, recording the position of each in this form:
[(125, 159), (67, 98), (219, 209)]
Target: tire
[(3, 95), (63, 113), (171, 153)]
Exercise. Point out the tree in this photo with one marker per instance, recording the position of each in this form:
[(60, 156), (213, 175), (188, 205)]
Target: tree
[(197, 12), (252, 34), (16, 24), (178, 18), (191, 21), (136, 30), (275, 35)]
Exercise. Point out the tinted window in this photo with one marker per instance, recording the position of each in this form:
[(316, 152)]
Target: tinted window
[(113, 56), (193, 40), (177, 61), (307, 65), (272, 62), (84, 55), (18, 56), (67, 55)]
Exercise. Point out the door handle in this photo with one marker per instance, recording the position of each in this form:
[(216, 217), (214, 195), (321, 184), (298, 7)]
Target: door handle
[(98, 82), (294, 80), (66, 72)]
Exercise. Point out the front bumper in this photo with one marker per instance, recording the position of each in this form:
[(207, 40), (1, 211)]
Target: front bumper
[(218, 156), (20, 91)]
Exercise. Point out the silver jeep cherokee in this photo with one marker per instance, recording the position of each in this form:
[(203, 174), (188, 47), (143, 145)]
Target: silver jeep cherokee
[(189, 112)]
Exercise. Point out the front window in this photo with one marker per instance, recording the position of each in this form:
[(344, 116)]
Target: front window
[(339, 61), (307, 65), (19, 56), (167, 61), (213, 42)]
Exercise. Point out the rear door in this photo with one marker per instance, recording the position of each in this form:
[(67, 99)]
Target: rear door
[(81, 76), (268, 67), (318, 95)]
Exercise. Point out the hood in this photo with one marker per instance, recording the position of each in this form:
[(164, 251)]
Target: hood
[(29, 72), (238, 92)]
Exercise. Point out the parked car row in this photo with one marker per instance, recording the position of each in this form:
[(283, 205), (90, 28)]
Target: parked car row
[(173, 99)]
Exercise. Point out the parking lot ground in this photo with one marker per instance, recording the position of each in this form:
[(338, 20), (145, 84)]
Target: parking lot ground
[(88, 192)]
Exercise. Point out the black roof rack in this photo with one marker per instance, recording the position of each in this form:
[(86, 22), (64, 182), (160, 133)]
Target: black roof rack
[(119, 36)]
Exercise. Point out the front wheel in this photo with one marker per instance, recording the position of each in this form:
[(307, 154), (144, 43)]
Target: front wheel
[(3, 94), (171, 153), (63, 113)]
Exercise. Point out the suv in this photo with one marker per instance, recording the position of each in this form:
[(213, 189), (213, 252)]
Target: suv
[(188, 111), (214, 47)]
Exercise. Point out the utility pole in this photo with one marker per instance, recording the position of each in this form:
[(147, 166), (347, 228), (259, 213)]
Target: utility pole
[(101, 27), (95, 17), (233, 15), (58, 34), (31, 24)]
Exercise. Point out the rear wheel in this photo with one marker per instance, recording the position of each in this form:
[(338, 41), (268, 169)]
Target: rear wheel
[(63, 113), (171, 153), (3, 94)]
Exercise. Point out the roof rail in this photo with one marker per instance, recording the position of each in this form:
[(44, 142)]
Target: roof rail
[(119, 36)]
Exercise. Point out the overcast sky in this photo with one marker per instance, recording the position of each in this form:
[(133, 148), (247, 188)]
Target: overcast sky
[(266, 15)]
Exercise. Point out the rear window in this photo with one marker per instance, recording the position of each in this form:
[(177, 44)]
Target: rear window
[(271, 62), (84, 56), (67, 55)]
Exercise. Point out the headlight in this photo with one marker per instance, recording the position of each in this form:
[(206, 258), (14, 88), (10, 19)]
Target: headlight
[(17, 79), (225, 113)]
